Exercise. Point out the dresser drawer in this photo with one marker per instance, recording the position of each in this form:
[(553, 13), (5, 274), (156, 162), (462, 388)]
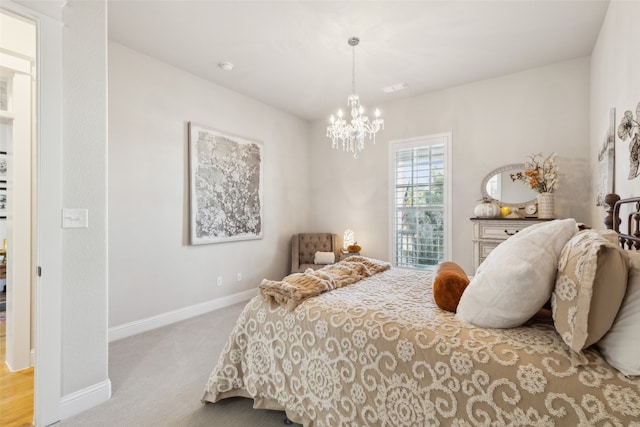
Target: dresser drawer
[(498, 230), (486, 248)]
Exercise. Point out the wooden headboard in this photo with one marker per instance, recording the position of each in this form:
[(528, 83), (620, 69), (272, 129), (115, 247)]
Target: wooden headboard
[(630, 238)]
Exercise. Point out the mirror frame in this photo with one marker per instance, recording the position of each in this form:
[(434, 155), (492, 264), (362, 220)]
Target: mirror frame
[(483, 186)]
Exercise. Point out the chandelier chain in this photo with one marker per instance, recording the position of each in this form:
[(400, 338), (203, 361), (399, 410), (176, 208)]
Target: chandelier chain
[(353, 70)]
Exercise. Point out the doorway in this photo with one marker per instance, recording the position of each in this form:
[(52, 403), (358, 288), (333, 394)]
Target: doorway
[(18, 53)]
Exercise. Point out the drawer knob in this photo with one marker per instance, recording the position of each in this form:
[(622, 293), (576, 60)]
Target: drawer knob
[(510, 233)]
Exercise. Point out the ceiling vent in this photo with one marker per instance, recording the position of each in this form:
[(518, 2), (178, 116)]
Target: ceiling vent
[(395, 88)]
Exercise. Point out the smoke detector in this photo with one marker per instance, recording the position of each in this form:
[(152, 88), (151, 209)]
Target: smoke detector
[(227, 66)]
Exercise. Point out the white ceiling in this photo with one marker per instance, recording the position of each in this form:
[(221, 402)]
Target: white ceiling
[(294, 54)]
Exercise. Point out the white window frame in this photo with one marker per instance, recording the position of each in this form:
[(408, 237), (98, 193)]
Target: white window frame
[(403, 144)]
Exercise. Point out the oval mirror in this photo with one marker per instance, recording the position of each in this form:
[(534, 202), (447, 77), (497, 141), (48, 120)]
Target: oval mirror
[(499, 186)]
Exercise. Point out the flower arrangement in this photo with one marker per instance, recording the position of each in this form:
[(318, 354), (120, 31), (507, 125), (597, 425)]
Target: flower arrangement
[(540, 174)]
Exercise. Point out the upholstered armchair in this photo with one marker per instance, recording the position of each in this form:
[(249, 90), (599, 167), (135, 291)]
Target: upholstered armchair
[(305, 245)]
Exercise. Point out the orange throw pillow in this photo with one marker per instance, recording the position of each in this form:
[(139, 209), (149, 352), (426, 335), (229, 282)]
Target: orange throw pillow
[(449, 283)]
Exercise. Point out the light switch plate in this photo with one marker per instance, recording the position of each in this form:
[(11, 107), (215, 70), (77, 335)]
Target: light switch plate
[(75, 218)]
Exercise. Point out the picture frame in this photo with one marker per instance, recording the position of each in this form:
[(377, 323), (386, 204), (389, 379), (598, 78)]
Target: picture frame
[(3, 166), (606, 161), (5, 93), (3, 202), (629, 129), (225, 186)]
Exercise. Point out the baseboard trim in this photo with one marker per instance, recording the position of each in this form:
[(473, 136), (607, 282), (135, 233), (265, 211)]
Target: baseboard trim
[(87, 398), (144, 325)]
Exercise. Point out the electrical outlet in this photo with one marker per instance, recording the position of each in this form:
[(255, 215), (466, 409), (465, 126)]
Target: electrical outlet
[(239, 277), (219, 281)]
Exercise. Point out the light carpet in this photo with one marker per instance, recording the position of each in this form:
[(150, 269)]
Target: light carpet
[(158, 378)]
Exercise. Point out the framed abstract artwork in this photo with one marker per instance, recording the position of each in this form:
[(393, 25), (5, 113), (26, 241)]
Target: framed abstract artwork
[(225, 185), (606, 161)]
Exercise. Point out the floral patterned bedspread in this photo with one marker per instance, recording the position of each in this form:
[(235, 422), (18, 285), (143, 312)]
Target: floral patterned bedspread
[(380, 353)]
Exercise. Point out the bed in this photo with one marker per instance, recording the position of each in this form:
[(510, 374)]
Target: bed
[(379, 352)]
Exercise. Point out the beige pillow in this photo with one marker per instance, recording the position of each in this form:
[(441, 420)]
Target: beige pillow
[(621, 345), (590, 285), (610, 235)]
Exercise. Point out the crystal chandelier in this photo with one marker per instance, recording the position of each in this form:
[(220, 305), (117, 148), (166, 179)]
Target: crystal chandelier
[(351, 135)]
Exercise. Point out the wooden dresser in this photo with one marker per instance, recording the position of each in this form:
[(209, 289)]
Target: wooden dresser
[(490, 232)]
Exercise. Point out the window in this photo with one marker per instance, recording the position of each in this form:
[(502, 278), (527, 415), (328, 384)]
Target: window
[(420, 201)]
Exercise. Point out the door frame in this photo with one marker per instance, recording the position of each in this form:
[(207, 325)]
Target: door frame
[(48, 287), (48, 294)]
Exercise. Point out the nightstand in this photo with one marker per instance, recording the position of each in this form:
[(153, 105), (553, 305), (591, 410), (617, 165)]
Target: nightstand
[(346, 254)]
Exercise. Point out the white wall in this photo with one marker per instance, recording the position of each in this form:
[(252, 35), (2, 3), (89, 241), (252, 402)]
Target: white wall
[(84, 154), (493, 123), (152, 267), (615, 83)]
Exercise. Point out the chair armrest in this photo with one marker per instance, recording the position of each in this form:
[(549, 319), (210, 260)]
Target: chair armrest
[(295, 253)]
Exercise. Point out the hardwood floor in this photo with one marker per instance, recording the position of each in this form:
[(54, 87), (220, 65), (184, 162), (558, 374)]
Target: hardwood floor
[(16, 392)]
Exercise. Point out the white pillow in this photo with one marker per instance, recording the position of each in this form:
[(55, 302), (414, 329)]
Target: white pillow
[(621, 345), (517, 277), (324, 258)]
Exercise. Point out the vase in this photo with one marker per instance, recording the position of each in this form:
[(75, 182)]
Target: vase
[(487, 209), (546, 202)]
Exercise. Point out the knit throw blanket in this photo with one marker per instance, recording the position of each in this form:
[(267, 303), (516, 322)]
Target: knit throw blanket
[(297, 287)]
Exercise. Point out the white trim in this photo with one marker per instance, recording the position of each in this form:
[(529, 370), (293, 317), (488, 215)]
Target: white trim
[(448, 200), (48, 293), (48, 302), (87, 398), (164, 319)]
